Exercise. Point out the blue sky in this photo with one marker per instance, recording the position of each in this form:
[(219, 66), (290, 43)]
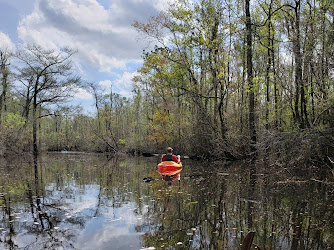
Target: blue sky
[(109, 48)]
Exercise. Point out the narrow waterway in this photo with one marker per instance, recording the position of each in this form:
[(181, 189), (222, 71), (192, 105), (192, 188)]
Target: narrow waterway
[(92, 202)]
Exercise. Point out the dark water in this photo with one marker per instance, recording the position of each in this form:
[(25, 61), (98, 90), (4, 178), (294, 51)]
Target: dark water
[(88, 202)]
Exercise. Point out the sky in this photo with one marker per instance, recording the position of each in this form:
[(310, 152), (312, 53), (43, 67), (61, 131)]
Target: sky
[(109, 48)]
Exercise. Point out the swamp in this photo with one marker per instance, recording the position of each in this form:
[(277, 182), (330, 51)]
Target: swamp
[(93, 92), (82, 201)]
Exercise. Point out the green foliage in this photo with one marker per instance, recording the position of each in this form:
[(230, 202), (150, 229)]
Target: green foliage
[(161, 127), (122, 143), (14, 133), (13, 121), (191, 91)]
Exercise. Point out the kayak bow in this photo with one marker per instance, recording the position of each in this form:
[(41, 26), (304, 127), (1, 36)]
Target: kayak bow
[(170, 164)]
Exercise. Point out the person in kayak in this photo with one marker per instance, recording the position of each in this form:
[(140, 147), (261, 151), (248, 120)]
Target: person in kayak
[(170, 156)]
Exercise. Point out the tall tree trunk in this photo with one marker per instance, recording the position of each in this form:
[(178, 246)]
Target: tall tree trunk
[(312, 94), (322, 72), (213, 56), (307, 81), (268, 71), (250, 79), (26, 107), (221, 115), (39, 126), (4, 82), (298, 64), (275, 81), (98, 115), (241, 106), (34, 123)]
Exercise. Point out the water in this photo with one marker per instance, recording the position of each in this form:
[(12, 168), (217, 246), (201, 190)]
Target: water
[(91, 202)]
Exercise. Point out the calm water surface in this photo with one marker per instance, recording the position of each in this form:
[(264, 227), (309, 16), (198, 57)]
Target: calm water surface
[(90, 202)]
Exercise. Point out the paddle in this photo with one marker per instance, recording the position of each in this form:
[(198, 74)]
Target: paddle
[(192, 157), (247, 243)]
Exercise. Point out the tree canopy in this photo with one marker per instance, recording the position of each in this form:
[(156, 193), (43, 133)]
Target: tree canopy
[(224, 80)]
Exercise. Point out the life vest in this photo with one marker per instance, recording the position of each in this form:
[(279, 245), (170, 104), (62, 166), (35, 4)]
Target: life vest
[(168, 157)]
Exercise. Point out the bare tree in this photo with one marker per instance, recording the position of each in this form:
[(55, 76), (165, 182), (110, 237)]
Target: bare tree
[(96, 91), (49, 79)]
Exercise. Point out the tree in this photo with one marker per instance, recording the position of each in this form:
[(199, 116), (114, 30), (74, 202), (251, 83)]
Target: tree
[(5, 56), (51, 75), (294, 19), (96, 91), (191, 63), (249, 56)]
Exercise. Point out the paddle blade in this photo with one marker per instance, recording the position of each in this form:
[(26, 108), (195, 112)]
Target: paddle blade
[(247, 243)]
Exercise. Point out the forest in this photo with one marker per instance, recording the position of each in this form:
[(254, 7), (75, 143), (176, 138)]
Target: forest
[(225, 80)]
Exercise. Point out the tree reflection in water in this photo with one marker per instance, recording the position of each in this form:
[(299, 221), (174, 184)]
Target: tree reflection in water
[(80, 201)]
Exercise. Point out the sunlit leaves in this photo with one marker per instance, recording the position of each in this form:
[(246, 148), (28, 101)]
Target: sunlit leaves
[(161, 127)]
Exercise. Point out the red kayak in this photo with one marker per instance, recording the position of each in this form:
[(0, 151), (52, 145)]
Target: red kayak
[(170, 164), (169, 167)]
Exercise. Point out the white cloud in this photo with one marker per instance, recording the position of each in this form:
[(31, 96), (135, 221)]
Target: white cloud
[(103, 37), (161, 4), (5, 42), (125, 84), (116, 230), (106, 83), (83, 94), (106, 86), (101, 33), (88, 13)]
